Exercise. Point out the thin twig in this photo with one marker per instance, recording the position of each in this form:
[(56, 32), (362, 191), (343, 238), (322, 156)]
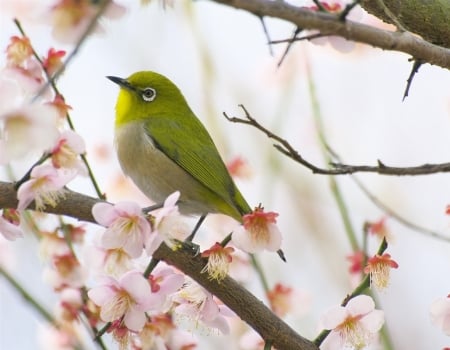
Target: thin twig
[(343, 15), (101, 9), (300, 38), (286, 148), (358, 32), (266, 33), (51, 82), (290, 42), (389, 211), (414, 70)]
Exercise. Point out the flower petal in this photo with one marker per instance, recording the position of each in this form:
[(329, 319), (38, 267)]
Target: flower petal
[(333, 317), (135, 319), (104, 213), (360, 305), (373, 321)]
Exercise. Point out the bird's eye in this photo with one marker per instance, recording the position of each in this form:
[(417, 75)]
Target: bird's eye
[(148, 94)]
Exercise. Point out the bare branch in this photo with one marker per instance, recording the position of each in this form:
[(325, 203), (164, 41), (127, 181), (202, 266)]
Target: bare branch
[(286, 148), (405, 42), (414, 70)]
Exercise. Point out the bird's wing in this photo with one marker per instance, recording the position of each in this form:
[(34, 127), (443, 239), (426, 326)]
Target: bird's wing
[(199, 156)]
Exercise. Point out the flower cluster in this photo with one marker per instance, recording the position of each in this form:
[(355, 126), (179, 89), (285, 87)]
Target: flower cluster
[(352, 326), (142, 307)]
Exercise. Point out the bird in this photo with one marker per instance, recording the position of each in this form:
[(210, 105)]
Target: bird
[(163, 147)]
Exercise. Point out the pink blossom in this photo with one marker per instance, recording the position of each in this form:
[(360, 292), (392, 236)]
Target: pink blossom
[(219, 260), (353, 325), (379, 267), (239, 168), (67, 150), (164, 281), (10, 231), (62, 338), (127, 227), (338, 43), (65, 271), (258, 232), (70, 18), (51, 244), (440, 314), (71, 301), (29, 128), (53, 61), (168, 225), (284, 300), (18, 51), (61, 106), (45, 187), (198, 305), (112, 262), (160, 333), (128, 298)]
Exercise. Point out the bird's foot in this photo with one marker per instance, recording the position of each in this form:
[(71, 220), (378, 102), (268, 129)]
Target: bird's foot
[(188, 246)]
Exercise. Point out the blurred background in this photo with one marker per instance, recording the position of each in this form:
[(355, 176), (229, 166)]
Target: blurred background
[(219, 58)]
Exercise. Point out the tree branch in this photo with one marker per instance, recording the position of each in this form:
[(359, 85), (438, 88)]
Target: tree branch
[(242, 302), (286, 148), (429, 19), (405, 42)]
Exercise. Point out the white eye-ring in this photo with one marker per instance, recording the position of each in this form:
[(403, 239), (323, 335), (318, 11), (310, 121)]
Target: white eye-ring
[(148, 94)]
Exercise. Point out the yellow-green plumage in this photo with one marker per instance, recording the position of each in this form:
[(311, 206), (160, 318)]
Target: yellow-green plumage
[(163, 147)]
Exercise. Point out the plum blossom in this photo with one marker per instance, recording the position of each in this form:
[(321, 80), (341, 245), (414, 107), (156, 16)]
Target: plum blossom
[(51, 244), (440, 314), (9, 228), (66, 152), (27, 128), (112, 262), (284, 300), (61, 338), (18, 51), (164, 281), (219, 260), (239, 168), (380, 229), (126, 299), (53, 61), (160, 333), (70, 18), (197, 304), (61, 106), (356, 260), (337, 42), (70, 303), (127, 227), (65, 271), (168, 225), (45, 187), (258, 232), (379, 268), (353, 325)]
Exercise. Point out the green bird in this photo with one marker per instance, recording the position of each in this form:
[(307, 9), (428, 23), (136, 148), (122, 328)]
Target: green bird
[(163, 147)]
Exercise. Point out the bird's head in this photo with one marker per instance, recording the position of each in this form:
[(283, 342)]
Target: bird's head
[(144, 94)]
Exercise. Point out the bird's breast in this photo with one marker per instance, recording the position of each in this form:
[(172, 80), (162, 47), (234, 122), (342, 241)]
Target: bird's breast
[(154, 173)]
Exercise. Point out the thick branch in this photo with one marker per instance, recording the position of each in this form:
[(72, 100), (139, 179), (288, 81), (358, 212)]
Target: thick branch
[(429, 19), (237, 298), (330, 24)]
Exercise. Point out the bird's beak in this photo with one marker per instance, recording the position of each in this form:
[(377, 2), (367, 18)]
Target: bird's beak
[(123, 83)]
